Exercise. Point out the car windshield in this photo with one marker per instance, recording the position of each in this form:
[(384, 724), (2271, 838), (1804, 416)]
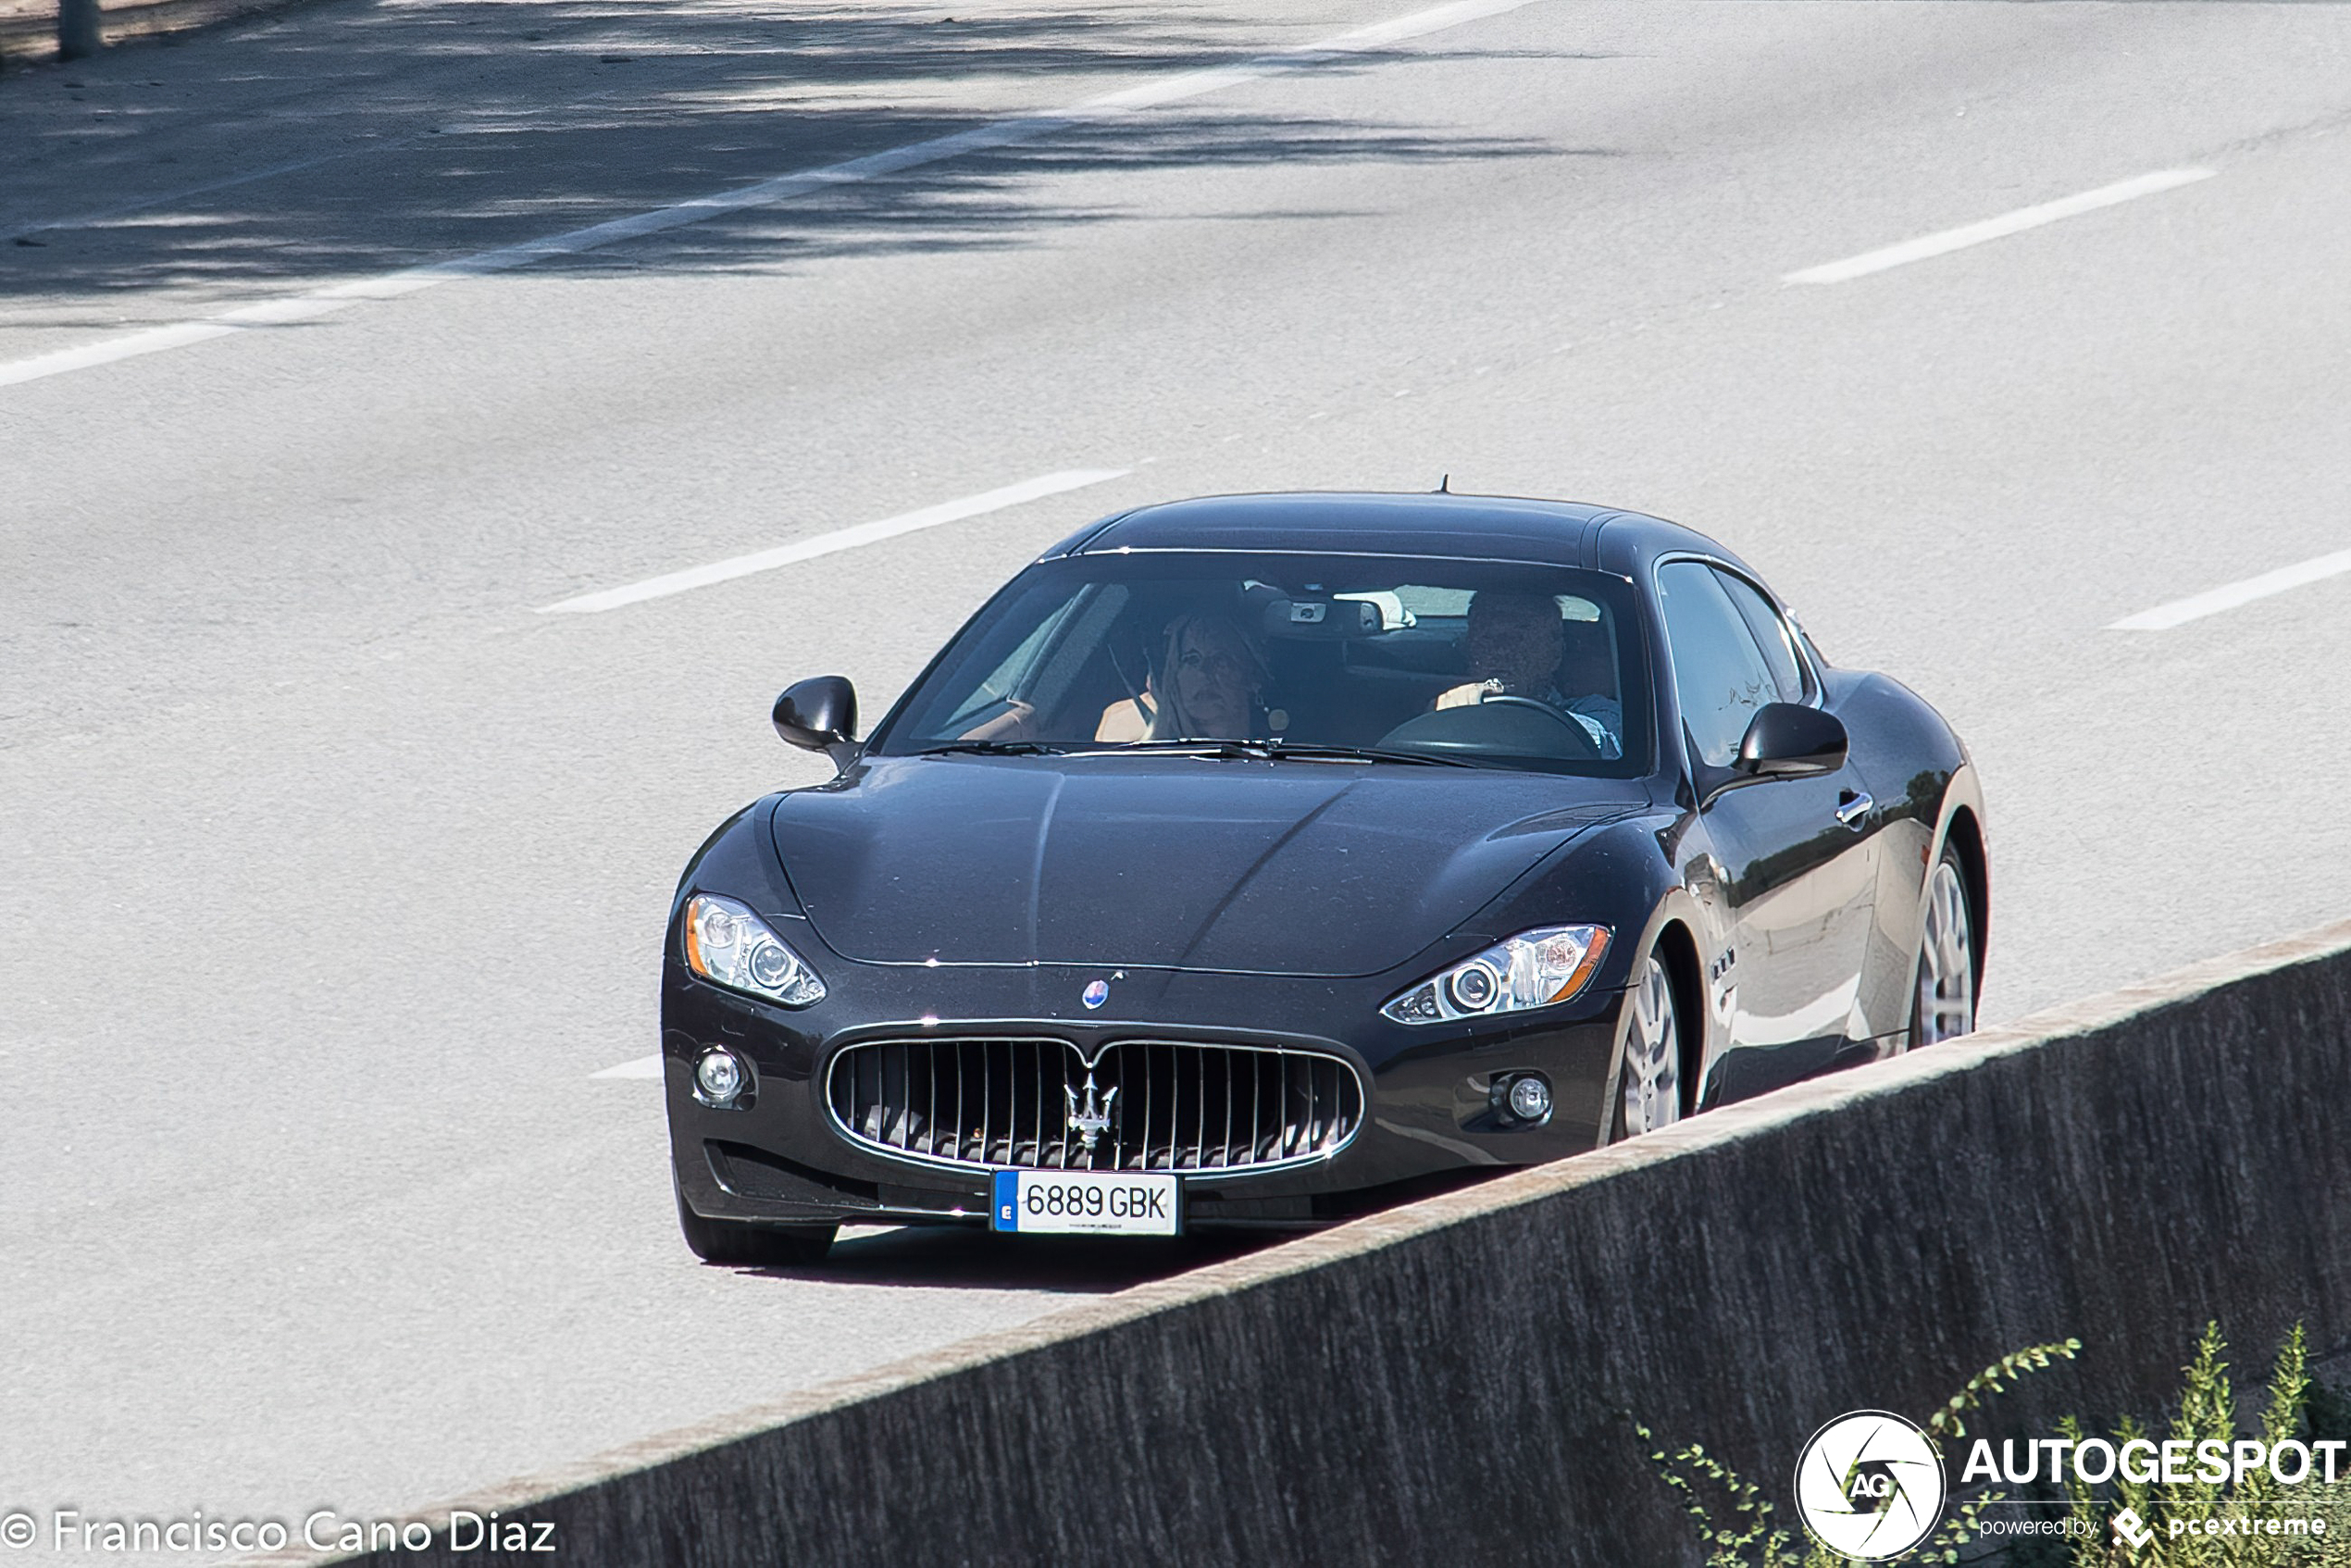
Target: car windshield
[(1330, 657)]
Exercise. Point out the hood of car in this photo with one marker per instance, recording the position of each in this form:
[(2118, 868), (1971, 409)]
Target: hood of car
[(1167, 861)]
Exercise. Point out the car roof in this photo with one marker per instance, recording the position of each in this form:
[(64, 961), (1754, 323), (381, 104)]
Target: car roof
[(1563, 533)]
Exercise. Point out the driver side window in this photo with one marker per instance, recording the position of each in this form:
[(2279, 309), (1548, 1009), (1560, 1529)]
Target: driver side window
[(1720, 675), (1771, 635)]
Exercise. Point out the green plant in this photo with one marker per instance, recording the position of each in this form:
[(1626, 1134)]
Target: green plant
[(2295, 1409), (1736, 1524), (2327, 1413), (1738, 1529)]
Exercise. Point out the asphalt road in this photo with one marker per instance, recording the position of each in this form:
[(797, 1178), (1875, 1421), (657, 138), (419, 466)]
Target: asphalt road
[(332, 870)]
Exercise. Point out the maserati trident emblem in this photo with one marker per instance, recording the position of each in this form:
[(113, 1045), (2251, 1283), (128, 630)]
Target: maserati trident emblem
[(1094, 1120), (1096, 993)]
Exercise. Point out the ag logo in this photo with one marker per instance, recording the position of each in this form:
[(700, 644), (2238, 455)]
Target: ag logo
[(1869, 1485)]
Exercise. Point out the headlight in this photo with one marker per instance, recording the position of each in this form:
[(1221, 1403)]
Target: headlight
[(728, 945), (1532, 969)]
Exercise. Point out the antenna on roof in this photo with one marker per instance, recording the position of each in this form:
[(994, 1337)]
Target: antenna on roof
[(1442, 481)]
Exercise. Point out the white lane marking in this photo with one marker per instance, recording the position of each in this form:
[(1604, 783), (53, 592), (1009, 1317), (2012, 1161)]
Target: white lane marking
[(825, 543), (2163, 618), (319, 302), (1997, 227), (643, 1067)]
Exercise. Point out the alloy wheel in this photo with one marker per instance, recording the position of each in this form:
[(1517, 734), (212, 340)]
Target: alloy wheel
[(1945, 1004), (1651, 1096)]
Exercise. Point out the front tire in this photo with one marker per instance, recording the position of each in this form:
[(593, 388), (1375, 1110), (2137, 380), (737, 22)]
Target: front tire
[(1649, 1091), (1942, 1000), (745, 1244)]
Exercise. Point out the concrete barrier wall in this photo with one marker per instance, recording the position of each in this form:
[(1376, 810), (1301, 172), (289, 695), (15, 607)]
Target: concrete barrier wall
[(1448, 1382)]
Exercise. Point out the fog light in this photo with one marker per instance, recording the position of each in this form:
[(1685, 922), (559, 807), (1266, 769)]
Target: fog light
[(718, 1078), (1530, 1099)]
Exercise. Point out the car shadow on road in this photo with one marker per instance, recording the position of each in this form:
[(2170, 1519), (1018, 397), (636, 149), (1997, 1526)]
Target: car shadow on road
[(961, 1258)]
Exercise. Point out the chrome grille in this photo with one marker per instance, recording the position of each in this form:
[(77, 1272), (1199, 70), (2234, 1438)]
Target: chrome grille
[(1167, 1105)]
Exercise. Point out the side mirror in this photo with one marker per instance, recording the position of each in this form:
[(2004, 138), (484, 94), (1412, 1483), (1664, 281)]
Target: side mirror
[(1787, 740), (819, 714)]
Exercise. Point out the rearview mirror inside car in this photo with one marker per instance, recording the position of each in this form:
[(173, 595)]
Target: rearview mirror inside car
[(1316, 621)]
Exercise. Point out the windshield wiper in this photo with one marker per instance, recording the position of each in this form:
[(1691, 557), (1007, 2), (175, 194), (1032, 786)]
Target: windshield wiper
[(1310, 751), (993, 749), (1238, 751), (1294, 750)]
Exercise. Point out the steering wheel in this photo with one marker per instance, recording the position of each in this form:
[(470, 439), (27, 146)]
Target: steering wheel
[(1580, 747)]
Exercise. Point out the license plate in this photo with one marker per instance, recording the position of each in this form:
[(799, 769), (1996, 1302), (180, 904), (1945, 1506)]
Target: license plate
[(1086, 1203)]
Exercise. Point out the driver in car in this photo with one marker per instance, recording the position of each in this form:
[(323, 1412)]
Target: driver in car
[(1518, 642)]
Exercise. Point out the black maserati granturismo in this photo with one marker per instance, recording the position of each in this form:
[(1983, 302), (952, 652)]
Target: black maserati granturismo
[(1255, 861)]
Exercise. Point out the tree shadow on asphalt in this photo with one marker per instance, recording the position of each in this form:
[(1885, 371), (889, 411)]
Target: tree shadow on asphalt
[(963, 1258), (638, 105)]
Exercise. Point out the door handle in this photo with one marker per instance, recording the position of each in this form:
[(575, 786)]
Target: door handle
[(1851, 806)]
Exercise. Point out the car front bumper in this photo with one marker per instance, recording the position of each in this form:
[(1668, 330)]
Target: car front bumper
[(1430, 1117)]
